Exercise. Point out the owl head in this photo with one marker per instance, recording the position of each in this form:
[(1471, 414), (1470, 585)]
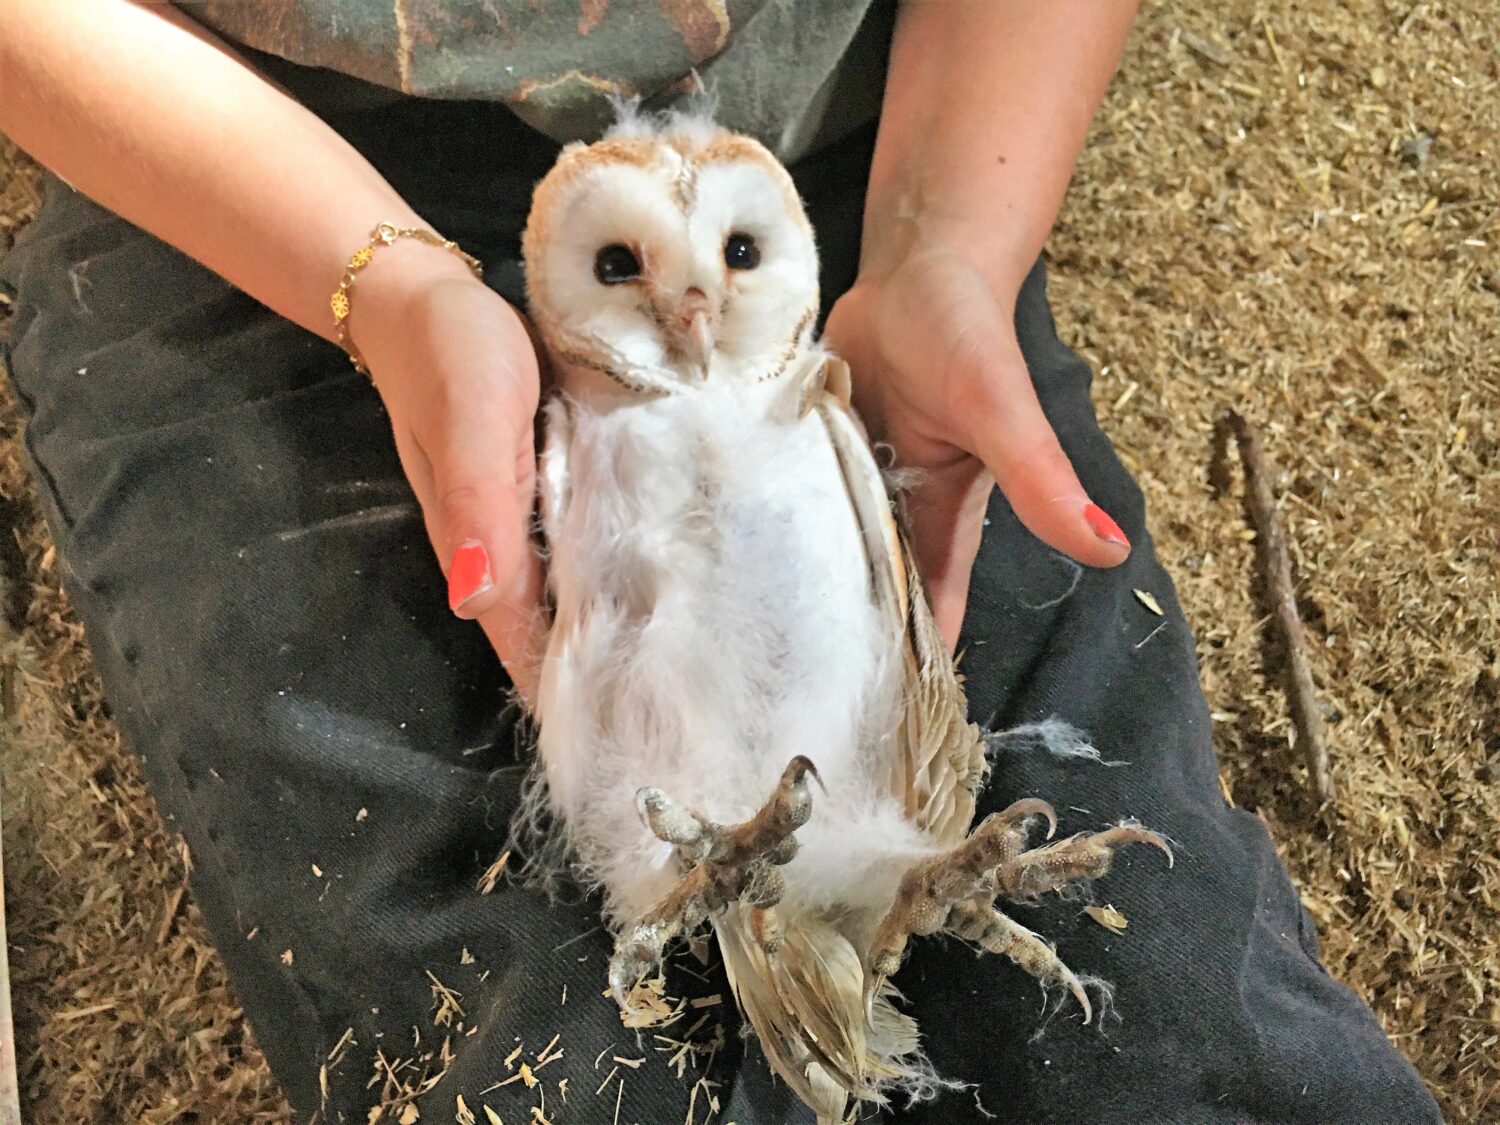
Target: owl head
[(671, 253)]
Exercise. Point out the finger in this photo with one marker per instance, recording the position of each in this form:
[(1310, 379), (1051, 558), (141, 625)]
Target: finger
[(945, 504), (945, 514), (516, 625), (516, 621), (997, 405), (483, 482)]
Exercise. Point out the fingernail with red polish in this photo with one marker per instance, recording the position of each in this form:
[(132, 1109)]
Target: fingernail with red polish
[(469, 575), (1104, 527)]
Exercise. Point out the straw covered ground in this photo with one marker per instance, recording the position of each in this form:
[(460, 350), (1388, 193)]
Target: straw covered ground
[(1291, 210)]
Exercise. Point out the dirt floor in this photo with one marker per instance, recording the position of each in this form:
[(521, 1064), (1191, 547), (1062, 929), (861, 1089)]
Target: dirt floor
[(1292, 210)]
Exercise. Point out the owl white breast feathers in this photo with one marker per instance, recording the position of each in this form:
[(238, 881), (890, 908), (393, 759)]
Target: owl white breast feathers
[(747, 718)]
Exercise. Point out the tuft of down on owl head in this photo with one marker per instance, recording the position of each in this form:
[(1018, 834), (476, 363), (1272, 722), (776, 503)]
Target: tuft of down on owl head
[(670, 253)]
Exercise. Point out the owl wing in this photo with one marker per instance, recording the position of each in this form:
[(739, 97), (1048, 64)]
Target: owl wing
[(937, 759)]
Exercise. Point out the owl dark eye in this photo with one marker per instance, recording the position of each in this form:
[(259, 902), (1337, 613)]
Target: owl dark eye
[(741, 253), (615, 264)]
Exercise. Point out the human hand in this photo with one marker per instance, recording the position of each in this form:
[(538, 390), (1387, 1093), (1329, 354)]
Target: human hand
[(458, 371), (929, 334)]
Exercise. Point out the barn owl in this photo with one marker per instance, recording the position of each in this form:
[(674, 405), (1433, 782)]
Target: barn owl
[(747, 716)]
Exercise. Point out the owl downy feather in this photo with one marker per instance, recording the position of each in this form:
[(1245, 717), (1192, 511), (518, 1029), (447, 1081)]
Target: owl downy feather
[(748, 719)]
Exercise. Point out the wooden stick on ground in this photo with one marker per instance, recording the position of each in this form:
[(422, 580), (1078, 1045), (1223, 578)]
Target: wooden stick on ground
[(1302, 695), (10, 1095)]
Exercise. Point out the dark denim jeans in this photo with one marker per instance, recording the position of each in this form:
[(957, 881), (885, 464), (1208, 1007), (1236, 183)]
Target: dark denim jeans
[(272, 633)]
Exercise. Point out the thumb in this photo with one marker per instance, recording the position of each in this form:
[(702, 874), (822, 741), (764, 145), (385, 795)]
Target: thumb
[(1006, 428)]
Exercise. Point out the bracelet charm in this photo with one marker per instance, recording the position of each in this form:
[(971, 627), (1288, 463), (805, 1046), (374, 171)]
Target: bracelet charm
[(383, 235)]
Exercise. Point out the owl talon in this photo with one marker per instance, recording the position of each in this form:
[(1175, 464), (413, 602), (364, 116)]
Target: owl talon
[(633, 958), (955, 892), (724, 864), (1134, 834), (1082, 857), (978, 921)]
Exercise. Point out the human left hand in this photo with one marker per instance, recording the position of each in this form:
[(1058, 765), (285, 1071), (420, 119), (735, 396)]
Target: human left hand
[(930, 337)]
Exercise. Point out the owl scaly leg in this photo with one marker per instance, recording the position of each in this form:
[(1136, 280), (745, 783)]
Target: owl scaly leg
[(954, 893), (725, 864)]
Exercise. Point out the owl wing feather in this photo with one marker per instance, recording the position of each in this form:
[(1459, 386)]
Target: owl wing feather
[(937, 759)]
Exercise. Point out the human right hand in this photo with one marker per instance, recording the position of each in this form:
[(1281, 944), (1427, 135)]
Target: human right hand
[(203, 151), (458, 371)]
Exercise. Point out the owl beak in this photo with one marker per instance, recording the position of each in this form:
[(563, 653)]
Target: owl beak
[(692, 327)]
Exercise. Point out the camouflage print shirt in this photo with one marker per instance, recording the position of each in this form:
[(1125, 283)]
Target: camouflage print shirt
[(795, 73)]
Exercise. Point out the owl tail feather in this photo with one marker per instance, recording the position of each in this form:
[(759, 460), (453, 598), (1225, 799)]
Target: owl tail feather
[(806, 1002)]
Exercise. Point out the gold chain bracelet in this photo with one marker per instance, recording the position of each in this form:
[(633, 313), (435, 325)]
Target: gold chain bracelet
[(383, 235)]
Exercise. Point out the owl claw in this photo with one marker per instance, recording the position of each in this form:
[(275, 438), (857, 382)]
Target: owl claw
[(1079, 858), (1134, 834), (1018, 812), (724, 864), (1076, 988), (954, 893)]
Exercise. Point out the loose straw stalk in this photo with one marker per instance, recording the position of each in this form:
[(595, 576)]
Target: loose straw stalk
[(10, 1094), (1270, 538)]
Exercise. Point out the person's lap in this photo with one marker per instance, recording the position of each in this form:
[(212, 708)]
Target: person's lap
[(337, 750)]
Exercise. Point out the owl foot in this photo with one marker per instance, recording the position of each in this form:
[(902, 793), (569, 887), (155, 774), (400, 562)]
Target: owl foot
[(725, 864), (955, 893)]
